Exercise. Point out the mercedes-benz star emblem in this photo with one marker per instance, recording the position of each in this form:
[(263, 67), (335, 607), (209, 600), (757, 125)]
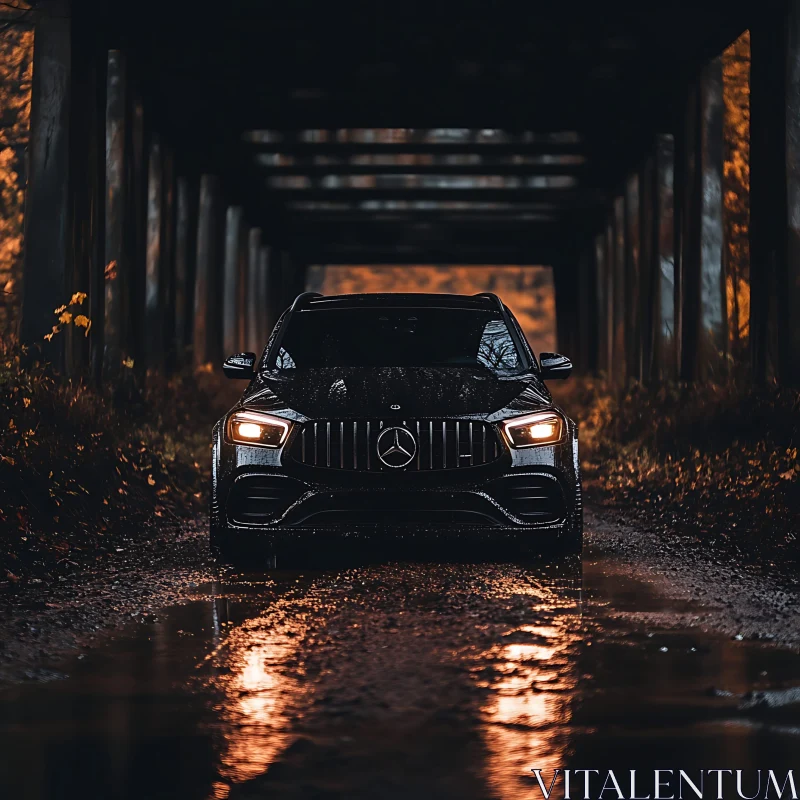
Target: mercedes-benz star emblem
[(396, 447)]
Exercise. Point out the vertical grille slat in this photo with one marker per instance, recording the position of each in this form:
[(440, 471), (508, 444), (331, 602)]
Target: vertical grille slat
[(352, 444), (327, 443)]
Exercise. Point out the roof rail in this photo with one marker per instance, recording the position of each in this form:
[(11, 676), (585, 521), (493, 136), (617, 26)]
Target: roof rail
[(301, 299), (491, 296)]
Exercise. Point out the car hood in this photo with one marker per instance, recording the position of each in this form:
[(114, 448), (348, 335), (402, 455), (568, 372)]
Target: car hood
[(371, 392)]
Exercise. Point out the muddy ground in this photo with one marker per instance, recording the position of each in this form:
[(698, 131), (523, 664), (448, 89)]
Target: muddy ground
[(41, 623)]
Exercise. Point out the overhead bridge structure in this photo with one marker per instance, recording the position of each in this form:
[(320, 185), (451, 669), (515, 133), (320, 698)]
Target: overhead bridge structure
[(188, 162)]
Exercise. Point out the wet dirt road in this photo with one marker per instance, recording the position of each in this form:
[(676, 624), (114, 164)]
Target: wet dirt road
[(394, 680)]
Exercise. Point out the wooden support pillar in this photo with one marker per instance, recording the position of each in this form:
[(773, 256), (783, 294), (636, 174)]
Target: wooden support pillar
[(254, 343), (117, 257), (713, 338), (265, 322), (242, 303), (633, 358), (648, 265), (184, 235), (678, 237), (788, 277), (663, 255), (153, 307), (775, 194), (287, 291), (231, 309), (87, 192), (610, 242), (586, 320), (46, 279), (205, 294), (601, 298), (704, 330), (275, 296), (136, 231), (690, 279), (619, 359), (566, 276), (167, 276)]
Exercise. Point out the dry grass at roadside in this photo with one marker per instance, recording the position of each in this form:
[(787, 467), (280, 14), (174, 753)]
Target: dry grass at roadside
[(79, 466), (720, 461)]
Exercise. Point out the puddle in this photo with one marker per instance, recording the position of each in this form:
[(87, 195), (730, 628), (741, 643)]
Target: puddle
[(394, 680)]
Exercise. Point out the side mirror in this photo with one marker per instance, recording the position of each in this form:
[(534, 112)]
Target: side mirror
[(241, 365), (555, 366)]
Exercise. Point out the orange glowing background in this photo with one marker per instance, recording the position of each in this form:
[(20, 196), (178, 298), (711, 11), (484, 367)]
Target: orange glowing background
[(528, 291)]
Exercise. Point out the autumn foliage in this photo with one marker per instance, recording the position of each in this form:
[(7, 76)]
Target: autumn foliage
[(80, 468), (16, 70), (719, 461), (736, 192)]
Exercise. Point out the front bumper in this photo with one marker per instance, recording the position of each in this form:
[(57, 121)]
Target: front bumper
[(518, 499), (526, 491)]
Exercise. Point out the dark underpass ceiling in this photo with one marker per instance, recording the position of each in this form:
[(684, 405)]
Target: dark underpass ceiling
[(420, 132)]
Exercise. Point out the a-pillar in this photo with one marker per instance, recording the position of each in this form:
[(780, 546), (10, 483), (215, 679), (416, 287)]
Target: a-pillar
[(206, 297), (254, 342), (775, 194), (231, 309), (704, 330)]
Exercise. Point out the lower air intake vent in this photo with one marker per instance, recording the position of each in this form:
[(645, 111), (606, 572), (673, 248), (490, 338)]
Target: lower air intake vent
[(258, 499), (531, 497)]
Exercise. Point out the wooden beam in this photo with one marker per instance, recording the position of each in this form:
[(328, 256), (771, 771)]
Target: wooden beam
[(557, 197), (349, 149), (506, 168)]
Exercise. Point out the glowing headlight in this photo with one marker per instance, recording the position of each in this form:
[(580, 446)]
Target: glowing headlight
[(261, 430), (542, 428)]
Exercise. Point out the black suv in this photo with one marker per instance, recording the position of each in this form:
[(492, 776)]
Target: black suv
[(421, 413)]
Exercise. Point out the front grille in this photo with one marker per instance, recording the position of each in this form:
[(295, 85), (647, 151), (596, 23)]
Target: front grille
[(353, 444)]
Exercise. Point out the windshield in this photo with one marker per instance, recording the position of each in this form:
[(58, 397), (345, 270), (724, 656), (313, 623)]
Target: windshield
[(399, 337)]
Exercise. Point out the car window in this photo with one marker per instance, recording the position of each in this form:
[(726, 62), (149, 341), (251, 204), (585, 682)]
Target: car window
[(420, 337)]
